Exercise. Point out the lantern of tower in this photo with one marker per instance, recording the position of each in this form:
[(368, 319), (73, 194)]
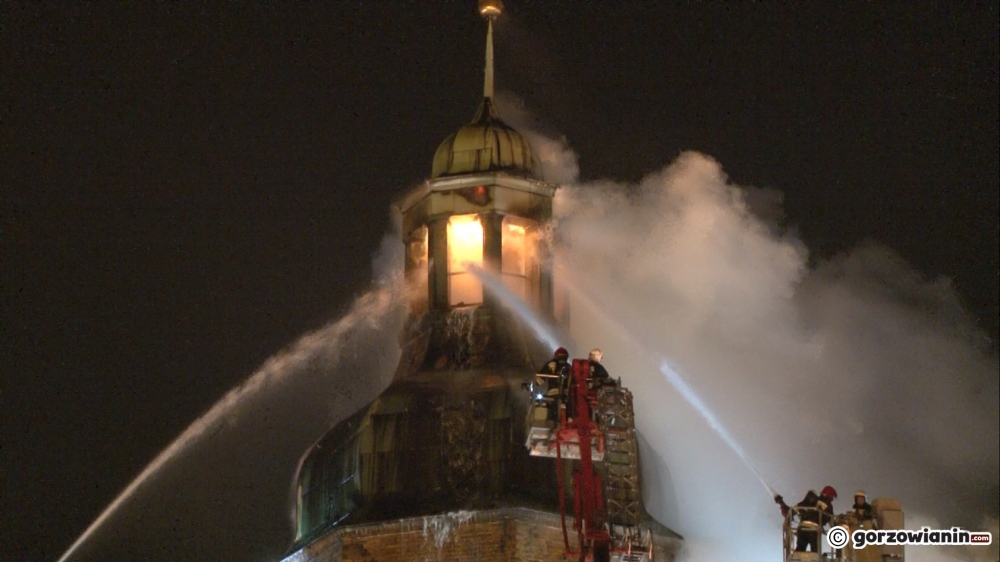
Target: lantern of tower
[(483, 207)]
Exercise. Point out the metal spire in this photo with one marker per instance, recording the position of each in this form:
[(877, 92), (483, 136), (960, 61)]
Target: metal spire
[(491, 10), (488, 83)]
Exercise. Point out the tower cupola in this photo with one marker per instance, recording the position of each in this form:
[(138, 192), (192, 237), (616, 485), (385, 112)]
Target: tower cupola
[(487, 143), (484, 205)]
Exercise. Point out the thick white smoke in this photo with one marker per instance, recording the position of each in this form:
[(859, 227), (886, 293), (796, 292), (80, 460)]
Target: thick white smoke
[(559, 161), (856, 373)]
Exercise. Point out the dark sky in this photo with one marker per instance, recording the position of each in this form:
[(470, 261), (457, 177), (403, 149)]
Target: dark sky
[(184, 189)]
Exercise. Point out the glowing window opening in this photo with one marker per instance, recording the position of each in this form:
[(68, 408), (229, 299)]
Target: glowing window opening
[(465, 245), (518, 261)]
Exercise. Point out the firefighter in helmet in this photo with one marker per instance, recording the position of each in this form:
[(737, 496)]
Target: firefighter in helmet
[(557, 383), (861, 508), (598, 374), (815, 513)]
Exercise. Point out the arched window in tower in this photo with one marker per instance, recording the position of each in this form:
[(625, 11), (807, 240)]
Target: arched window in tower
[(465, 245), (416, 267), (519, 262), (416, 251)]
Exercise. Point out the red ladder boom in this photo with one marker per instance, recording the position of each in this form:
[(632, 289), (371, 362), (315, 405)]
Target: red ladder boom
[(588, 491)]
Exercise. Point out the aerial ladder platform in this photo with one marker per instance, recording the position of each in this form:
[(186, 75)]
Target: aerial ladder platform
[(887, 515), (579, 419)]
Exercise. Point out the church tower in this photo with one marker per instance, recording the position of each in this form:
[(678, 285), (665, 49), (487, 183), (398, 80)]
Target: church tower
[(436, 468)]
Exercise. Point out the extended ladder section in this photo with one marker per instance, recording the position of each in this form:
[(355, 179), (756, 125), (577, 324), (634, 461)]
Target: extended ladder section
[(620, 469)]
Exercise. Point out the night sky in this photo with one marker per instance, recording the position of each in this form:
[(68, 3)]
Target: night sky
[(185, 189)]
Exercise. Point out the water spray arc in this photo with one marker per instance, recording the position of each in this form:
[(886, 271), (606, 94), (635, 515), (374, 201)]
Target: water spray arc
[(547, 334), (540, 327), (372, 313), (692, 398), (676, 380)]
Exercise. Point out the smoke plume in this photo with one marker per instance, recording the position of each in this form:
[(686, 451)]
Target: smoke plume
[(857, 372), (559, 161)]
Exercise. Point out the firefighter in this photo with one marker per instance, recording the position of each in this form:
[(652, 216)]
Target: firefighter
[(558, 365), (861, 508), (815, 513), (556, 388), (598, 374)]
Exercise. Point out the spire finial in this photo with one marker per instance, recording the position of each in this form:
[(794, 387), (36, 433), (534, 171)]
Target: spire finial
[(489, 9)]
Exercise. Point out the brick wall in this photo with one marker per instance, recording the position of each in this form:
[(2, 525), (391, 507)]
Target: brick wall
[(501, 535), (538, 537)]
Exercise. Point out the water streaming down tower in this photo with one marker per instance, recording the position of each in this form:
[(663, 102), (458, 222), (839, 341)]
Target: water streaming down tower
[(435, 467)]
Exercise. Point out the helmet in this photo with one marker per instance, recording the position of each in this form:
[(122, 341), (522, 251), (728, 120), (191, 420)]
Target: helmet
[(596, 355), (561, 353), (829, 492), (861, 493)]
